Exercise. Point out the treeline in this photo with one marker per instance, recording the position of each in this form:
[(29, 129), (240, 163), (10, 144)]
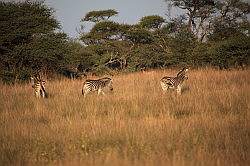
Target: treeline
[(208, 33)]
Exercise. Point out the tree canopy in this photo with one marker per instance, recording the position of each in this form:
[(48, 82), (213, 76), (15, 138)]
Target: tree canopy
[(209, 33), (152, 22), (32, 43), (100, 15)]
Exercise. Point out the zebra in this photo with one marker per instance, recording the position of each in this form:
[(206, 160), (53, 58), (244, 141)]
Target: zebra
[(97, 85), (39, 87), (174, 82)]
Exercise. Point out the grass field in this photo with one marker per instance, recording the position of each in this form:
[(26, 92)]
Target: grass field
[(136, 124)]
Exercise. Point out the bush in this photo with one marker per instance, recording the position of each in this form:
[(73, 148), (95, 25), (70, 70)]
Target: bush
[(233, 52)]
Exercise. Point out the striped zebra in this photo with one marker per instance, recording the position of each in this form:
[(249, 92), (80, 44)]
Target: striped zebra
[(174, 82), (39, 87), (97, 85)]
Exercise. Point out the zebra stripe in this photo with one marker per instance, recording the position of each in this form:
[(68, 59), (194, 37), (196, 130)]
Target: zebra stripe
[(97, 85), (174, 82), (39, 87)]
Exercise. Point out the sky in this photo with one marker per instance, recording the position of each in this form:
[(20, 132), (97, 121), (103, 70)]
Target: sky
[(70, 12)]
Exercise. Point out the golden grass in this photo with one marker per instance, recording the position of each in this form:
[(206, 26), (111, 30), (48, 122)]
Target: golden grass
[(135, 125)]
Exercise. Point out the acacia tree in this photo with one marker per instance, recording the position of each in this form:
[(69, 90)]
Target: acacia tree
[(100, 15), (105, 43), (151, 22), (230, 20), (194, 9), (121, 46), (197, 14), (205, 16), (104, 31)]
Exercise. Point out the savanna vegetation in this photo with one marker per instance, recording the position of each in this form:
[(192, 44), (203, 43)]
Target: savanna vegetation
[(136, 124)]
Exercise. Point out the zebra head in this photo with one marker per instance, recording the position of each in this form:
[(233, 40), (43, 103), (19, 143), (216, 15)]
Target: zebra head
[(109, 82), (36, 78)]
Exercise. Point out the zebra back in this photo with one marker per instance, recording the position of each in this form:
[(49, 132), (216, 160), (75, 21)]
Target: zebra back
[(179, 79), (97, 85), (174, 82)]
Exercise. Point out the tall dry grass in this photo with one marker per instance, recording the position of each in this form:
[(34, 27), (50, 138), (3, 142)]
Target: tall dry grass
[(135, 125)]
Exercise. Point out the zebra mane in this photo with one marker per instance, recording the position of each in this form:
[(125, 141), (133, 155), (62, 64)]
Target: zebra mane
[(100, 79), (105, 78)]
